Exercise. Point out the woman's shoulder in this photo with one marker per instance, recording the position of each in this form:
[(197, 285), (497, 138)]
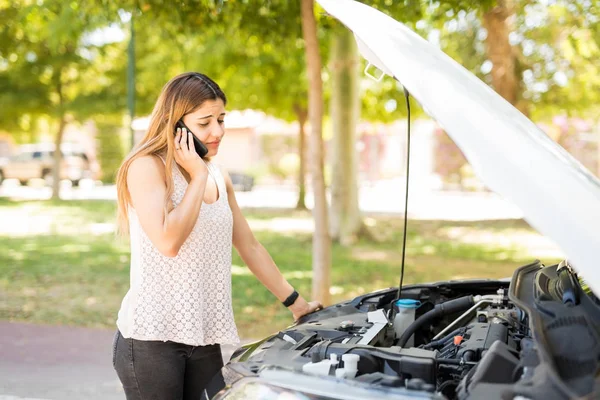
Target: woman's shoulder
[(217, 165), (221, 168), (150, 164)]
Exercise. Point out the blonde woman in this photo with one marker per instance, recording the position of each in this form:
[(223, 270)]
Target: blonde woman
[(182, 218)]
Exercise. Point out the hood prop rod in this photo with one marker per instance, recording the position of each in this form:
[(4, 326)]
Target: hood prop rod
[(406, 96)]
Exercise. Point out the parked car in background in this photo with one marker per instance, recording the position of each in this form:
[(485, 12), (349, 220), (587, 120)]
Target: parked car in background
[(36, 161), (242, 182)]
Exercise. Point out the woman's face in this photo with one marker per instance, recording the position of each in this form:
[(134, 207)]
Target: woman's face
[(207, 124)]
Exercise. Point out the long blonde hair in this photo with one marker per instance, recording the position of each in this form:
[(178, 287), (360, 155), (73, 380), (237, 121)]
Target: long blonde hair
[(182, 95)]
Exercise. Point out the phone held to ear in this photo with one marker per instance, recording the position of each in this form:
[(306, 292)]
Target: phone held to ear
[(198, 145)]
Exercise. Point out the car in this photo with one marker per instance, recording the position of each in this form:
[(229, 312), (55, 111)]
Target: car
[(534, 335), (241, 181), (37, 161)]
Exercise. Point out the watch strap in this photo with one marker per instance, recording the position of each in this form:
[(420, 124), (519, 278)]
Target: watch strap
[(291, 299)]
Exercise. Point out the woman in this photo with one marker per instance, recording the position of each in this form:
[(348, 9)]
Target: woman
[(183, 218)]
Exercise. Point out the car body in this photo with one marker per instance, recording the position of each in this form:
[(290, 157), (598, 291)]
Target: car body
[(535, 335), (242, 182), (36, 161)]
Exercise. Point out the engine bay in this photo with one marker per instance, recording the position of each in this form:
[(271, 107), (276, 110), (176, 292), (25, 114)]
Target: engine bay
[(535, 336)]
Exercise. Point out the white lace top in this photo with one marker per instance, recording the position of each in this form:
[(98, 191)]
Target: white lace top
[(186, 298)]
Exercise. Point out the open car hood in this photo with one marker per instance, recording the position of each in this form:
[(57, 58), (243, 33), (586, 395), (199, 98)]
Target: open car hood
[(558, 196)]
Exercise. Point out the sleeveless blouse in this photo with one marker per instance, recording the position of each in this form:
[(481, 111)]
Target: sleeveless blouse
[(186, 298)]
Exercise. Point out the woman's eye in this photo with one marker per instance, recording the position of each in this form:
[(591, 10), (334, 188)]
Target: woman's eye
[(203, 125), (221, 121)]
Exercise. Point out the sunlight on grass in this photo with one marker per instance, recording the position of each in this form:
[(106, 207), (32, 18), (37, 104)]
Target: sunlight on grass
[(282, 225), (373, 255), (298, 275), (17, 255), (82, 248), (47, 217), (525, 240), (336, 290), (238, 270)]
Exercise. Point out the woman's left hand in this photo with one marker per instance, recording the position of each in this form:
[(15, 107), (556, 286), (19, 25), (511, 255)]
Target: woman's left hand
[(301, 307)]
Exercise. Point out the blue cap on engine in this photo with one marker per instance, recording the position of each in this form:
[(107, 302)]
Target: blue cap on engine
[(408, 303)]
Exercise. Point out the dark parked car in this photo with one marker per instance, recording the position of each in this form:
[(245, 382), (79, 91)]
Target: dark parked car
[(532, 336), (242, 182)]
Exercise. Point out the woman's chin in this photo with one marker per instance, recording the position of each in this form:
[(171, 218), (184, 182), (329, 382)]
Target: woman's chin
[(212, 153)]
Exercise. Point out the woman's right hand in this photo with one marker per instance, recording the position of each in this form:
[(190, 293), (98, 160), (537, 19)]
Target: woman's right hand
[(186, 156)]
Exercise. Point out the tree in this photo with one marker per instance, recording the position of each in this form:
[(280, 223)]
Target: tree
[(562, 74), (321, 239), (497, 18), (554, 51), (346, 222), (500, 51), (53, 65), (344, 111)]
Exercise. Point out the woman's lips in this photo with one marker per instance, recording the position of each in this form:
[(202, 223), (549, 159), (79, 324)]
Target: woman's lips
[(214, 144)]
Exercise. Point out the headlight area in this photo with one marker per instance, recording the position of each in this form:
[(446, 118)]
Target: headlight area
[(281, 384)]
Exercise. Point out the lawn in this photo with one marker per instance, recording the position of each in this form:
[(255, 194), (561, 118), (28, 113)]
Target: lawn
[(61, 263)]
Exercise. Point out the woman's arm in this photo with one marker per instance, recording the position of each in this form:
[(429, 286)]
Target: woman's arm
[(147, 188), (260, 262)]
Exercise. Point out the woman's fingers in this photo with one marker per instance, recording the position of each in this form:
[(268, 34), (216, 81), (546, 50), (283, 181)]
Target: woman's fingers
[(177, 138), (315, 306), (190, 142), (184, 145), (183, 139)]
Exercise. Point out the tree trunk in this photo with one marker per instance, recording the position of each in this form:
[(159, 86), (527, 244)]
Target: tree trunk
[(57, 158), (345, 108), (62, 123), (598, 149), (302, 115), (321, 240), (500, 52)]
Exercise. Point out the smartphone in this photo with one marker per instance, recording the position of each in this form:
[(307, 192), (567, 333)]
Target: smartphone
[(198, 145)]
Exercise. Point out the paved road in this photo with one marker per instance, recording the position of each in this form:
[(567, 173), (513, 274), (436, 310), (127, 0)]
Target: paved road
[(386, 197), (60, 363)]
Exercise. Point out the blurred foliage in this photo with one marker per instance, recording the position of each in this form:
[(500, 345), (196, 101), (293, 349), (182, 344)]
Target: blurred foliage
[(50, 66), (69, 58), (449, 159), (557, 47), (260, 63), (111, 150), (275, 149), (563, 53)]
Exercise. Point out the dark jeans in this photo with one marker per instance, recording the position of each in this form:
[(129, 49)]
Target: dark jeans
[(165, 370)]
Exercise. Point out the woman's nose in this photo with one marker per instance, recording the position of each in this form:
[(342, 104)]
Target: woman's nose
[(218, 131)]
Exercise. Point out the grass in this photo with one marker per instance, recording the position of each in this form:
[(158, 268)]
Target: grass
[(60, 262)]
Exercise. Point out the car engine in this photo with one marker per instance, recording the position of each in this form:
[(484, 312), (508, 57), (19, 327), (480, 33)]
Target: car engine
[(454, 340)]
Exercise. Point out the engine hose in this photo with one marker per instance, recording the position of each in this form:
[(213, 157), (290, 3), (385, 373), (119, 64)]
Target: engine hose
[(448, 307), (441, 342)]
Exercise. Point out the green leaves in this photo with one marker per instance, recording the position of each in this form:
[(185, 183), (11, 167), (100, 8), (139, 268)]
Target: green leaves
[(254, 49), (49, 65)]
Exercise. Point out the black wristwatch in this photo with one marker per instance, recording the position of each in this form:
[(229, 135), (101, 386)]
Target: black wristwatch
[(291, 299)]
